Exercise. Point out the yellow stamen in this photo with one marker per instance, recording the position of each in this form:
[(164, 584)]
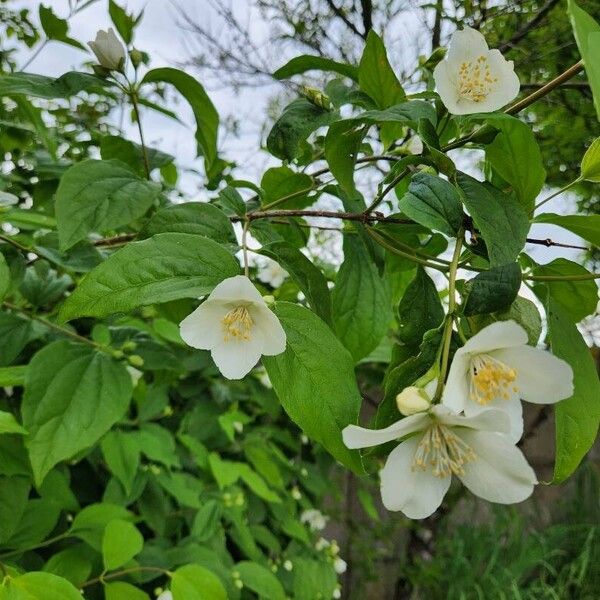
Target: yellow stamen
[(475, 79), (237, 324), (443, 452), (491, 379)]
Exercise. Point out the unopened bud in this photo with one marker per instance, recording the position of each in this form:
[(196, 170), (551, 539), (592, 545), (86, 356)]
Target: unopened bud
[(317, 97), (412, 400), (135, 360), (108, 50), (136, 57)]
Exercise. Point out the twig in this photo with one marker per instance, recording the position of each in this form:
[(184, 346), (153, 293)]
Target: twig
[(528, 27)]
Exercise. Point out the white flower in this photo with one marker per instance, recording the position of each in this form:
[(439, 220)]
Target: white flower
[(166, 595), (340, 565), (337, 593), (236, 325), (272, 273), (472, 78), (321, 544), (108, 50), (417, 473), (496, 367), (315, 519), (415, 145), (288, 565)]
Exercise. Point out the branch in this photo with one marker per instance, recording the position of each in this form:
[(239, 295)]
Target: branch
[(528, 27), (367, 15), (338, 12)]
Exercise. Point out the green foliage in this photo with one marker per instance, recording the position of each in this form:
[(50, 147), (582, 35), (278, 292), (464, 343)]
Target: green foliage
[(493, 290)]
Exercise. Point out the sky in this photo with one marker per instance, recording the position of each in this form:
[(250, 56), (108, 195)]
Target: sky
[(160, 36)]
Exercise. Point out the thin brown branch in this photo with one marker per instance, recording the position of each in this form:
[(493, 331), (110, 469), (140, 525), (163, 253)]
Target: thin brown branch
[(339, 13), (549, 243)]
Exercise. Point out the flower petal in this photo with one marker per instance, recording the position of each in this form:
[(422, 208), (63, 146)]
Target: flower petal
[(236, 357), (236, 288), (359, 437), (486, 419), (501, 334), (446, 85), (456, 390), (274, 335), (415, 493), (508, 85), (542, 378), (203, 328), (465, 45), (499, 473), (510, 422)]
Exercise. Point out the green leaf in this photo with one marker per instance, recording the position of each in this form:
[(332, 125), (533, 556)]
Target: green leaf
[(4, 277), (207, 118), (15, 333), (298, 120), (121, 451), (515, 156), (193, 582), (12, 376), (8, 424), (500, 219), (577, 417), (167, 266), (361, 300), (585, 226), (39, 586), (587, 36), (522, 311), (73, 395), (376, 76), (578, 298), (231, 201), (313, 578), (309, 383), (198, 218), (309, 278), (590, 164), (493, 290), (434, 203), (120, 590), (342, 144), (121, 542), (280, 182), (260, 580), (98, 195), (14, 492), (89, 524), (40, 86), (113, 146), (122, 21), (304, 63), (206, 521), (56, 28), (420, 309), (406, 113), (73, 563)]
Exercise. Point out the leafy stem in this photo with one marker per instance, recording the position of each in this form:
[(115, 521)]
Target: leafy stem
[(557, 193), (116, 574), (132, 92), (448, 325)]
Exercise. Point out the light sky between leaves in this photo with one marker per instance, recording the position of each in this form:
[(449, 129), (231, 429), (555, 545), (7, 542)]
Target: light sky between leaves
[(159, 35)]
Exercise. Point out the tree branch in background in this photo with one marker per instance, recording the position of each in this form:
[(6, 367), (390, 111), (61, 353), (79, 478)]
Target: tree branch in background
[(436, 34), (530, 26), (367, 15), (339, 13)]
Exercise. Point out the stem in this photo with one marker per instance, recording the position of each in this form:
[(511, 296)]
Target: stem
[(447, 336), (55, 327), (14, 243), (380, 197), (564, 189), (118, 574), (136, 112), (35, 54), (245, 247), (43, 544), (585, 277), (327, 214), (421, 261)]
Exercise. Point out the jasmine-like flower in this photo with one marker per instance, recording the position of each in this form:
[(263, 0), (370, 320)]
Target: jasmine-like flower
[(439, 444), (496, 369), (272, 273), (314, 518), (236, 325), (108, 50), (472, 78)]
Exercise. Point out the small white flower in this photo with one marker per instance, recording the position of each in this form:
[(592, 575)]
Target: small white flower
[(417, 473), (236, 325), (321, 544), (337, 593), (472, 78), (415, 145), (496, 368), (272, 273), (295, 493), (340, 565), (315, 519), (108, 50), (135, 374), (288, 565), (166, 595)]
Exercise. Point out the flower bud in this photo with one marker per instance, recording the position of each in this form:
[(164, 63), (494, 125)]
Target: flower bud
[(135, 360), (108, 50), (136, 57), (412, 400)]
